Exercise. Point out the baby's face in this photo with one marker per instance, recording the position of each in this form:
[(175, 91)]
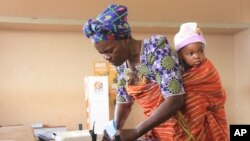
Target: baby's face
[(193, 54)]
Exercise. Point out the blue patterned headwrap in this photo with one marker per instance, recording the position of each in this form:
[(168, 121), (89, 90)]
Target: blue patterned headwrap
[(111, 24)]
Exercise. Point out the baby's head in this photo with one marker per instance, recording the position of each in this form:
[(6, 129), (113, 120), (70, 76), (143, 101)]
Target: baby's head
[(190, 44)]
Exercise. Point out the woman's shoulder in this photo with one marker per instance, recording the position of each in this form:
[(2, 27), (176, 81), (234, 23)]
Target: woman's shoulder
[(156, 47), (156, 38), (154, 43)]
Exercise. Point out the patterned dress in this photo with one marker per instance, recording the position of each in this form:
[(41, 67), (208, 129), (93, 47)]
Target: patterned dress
[(158, 64), (156, 78)]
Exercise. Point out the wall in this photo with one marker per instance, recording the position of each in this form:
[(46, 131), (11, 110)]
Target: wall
[(242, 84), (224, 11), (42, 75)]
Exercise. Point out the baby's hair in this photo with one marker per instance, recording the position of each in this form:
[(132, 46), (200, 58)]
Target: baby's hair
[(183, 65)]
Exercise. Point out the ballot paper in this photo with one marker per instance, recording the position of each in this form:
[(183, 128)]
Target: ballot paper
[(110, 128)]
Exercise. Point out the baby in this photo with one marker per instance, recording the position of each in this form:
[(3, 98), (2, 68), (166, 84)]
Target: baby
[(190, 45), (205, 95)]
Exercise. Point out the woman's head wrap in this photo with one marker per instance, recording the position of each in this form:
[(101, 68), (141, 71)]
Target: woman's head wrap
[(111, 24), (189, 33)]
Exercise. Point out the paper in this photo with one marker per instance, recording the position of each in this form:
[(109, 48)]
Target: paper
[(110, 128)]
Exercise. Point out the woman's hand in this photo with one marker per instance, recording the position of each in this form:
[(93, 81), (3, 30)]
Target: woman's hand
[(106, 136), (127, 134)]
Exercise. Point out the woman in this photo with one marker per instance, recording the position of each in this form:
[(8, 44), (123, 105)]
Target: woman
[(147, 72)]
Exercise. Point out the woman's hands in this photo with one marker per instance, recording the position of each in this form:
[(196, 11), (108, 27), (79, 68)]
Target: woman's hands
[(122, 135)]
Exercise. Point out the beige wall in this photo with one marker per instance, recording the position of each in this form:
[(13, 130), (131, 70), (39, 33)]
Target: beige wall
[(241, 96), (42, 76)]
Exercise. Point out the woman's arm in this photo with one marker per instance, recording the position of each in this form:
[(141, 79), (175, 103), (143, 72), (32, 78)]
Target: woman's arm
[(167, 109), (122, 111)]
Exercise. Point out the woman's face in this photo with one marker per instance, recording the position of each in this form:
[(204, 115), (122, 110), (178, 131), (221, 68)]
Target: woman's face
[(193, 54), (114, 51)]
